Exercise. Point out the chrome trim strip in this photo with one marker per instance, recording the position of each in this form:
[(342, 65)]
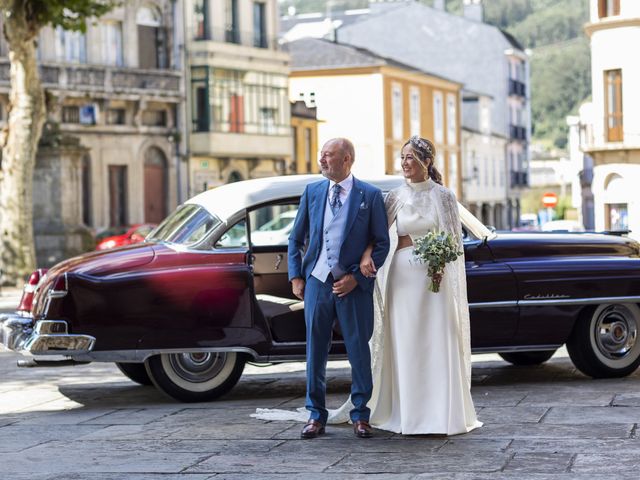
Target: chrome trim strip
[(516, 349), (139, 356), (555, 301), (579, 301), (506, 304)]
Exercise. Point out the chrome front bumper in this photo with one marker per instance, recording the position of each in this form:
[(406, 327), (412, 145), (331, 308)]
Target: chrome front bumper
[(46, 337)]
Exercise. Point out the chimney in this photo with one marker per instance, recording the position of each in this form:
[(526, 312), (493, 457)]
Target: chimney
[(473, 10), (439, 5)]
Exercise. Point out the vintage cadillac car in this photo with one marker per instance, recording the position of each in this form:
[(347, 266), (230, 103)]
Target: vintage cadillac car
[(201, 296)]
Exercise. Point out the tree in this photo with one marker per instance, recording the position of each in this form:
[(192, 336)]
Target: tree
[(22, 22)]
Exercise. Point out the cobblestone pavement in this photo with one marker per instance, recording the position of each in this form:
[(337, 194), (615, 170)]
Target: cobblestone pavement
[(90, 422)]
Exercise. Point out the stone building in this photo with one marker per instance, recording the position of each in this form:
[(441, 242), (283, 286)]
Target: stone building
[(110, 153), (240, 119)]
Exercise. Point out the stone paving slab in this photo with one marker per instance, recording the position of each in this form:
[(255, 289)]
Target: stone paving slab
[(573, 446), (508, 415), (606, 462), (427, 462), (525, 463), (592, 415)]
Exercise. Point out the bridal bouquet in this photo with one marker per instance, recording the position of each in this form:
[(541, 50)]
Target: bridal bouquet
[(436, 249)]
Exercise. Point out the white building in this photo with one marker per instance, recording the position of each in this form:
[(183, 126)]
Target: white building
[(613, 139)]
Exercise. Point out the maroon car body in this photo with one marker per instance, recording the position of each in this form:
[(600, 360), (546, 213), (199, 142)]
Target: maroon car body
[(189, 306)]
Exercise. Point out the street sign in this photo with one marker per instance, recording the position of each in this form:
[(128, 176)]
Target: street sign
[(549, 200)]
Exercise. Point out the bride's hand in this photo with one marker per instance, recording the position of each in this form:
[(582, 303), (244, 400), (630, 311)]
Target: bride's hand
[(367, 267)]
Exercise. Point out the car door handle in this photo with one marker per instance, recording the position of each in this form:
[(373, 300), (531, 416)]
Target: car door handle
[(279, 258)]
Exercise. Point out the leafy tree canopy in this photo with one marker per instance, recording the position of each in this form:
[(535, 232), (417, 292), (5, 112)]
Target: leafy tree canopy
[(68, 14)]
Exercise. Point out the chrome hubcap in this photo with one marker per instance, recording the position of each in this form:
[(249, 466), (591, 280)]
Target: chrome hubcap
[(198, 367), (616, 332)]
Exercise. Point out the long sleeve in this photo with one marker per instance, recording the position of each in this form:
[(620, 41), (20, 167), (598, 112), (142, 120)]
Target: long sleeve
[(298, 238)]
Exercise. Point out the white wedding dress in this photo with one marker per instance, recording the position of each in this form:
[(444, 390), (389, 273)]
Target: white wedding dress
[(420, 347)]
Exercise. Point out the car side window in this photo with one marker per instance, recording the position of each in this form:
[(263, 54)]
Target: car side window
[(236, 236), (271, 224)]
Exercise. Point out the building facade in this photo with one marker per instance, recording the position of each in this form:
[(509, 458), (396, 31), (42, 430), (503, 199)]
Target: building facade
[(110, 153), (612, 136), (378, 105), (463, 48), (485, 174), (239, 111)]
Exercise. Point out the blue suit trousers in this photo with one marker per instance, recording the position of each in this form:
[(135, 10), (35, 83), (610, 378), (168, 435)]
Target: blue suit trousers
[(355, 314)]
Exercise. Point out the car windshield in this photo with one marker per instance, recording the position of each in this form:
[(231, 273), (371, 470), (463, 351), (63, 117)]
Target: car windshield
[(187, 226)]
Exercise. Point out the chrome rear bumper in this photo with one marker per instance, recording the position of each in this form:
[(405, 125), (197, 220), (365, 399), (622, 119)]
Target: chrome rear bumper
[(46, 337)]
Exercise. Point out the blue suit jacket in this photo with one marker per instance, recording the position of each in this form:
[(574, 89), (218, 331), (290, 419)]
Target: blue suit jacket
[(366, 224)]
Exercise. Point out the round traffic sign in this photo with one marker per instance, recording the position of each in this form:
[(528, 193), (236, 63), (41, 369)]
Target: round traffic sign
[(550, 199)]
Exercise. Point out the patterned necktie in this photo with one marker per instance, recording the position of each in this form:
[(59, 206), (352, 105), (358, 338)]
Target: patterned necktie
[(335, 202)]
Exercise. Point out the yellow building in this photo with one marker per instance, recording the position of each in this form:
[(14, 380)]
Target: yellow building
[(304, 128), (378, 104)]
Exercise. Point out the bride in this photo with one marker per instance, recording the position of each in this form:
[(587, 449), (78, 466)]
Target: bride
[(421, 355)]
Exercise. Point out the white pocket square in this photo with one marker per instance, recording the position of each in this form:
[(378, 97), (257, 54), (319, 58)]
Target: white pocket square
[(363, 206)]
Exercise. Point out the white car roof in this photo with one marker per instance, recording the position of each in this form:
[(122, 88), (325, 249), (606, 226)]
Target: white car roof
[(226, 200)]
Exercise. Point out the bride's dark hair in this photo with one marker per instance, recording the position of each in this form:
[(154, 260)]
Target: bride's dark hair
[(425, 151)]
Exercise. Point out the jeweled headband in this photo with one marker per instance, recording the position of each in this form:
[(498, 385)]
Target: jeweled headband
[(421, 144)]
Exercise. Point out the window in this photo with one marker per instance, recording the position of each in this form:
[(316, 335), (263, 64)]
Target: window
[(152, 49), (453, 172), (154, 118), (485, 117), (608, 8), (259, 25), (452, 120), (616, 217), (239, 101), (71, 46), (71, 114), (232, 32), (613, 105), (267, 120), (112, 46), (438, 122), (308, 157), (189, 225), (201, 20), (271, 225), (414, 110), (396, 112), (235, 237), (118, 199), (116, 116)]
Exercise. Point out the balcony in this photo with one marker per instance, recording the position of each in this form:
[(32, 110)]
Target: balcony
[(517, 88), (255, 39), (519, 179), (105, 79), (517, 133)]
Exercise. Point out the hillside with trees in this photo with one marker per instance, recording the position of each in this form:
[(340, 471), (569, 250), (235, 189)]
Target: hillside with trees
[(560, 58)]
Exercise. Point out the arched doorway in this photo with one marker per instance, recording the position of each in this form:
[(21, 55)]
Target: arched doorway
[(234, 177), (152, 42), (155, 185)]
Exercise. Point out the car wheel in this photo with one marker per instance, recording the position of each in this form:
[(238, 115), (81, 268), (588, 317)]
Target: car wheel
[(604, 342), (136, 372), (195, 377), (527, 358)]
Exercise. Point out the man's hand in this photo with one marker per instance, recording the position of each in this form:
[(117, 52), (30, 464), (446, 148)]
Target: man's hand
[(344, 286), (297, 285)]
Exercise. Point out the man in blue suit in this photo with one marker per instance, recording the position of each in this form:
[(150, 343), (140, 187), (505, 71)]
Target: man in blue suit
[(337, 219)]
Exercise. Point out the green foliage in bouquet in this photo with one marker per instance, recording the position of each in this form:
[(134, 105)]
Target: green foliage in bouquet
[(436, 249)]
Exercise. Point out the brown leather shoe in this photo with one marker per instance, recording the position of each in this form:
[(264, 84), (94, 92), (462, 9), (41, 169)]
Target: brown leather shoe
[(312, 429), (362, 429)]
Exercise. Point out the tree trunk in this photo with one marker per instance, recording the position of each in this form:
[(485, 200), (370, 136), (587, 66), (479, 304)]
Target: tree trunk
[(24, 127)]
